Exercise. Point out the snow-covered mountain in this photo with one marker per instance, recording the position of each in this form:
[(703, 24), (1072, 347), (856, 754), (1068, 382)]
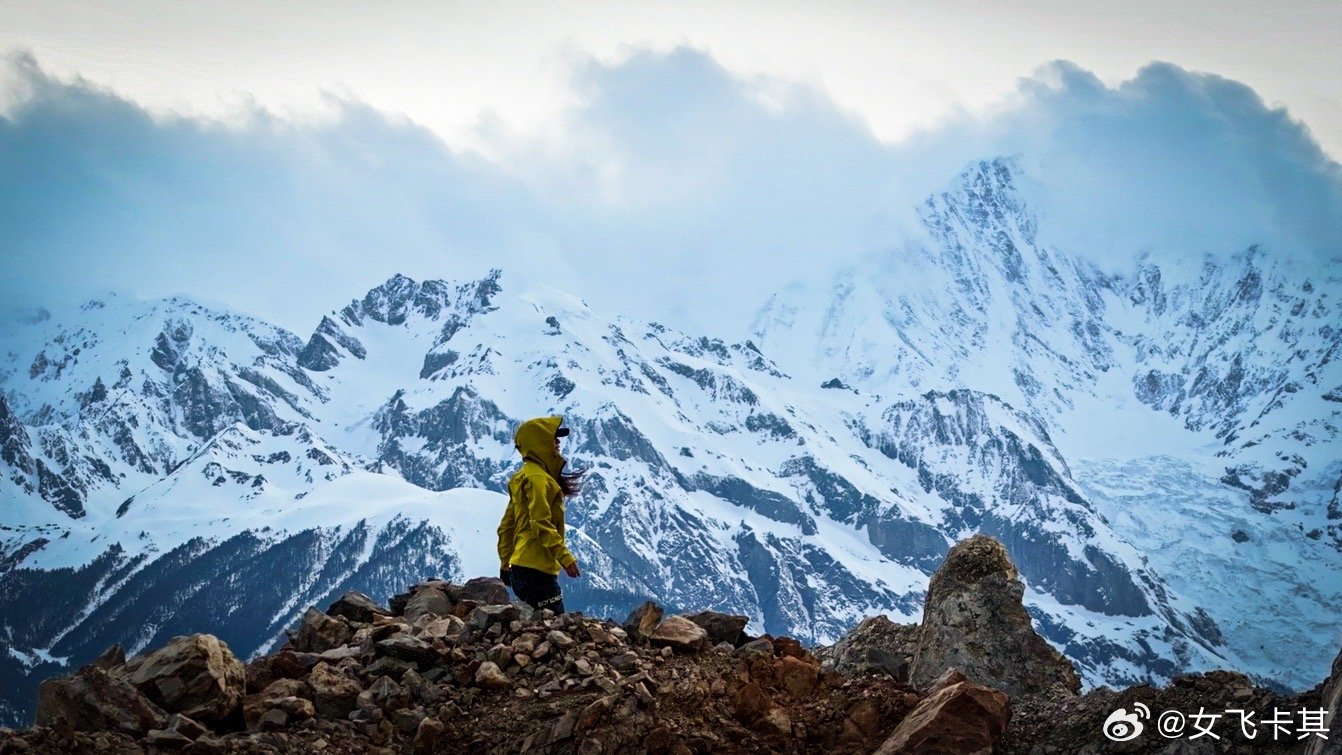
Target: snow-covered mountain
[(1198, 406), (167, 467)]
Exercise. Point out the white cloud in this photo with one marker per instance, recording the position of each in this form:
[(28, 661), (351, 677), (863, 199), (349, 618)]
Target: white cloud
[(673, 189)]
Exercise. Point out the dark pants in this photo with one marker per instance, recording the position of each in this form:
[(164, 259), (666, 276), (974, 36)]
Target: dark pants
[(537, 589)]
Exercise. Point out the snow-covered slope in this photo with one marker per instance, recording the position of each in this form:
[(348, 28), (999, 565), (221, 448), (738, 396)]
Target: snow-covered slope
[(169, 467), (1197, 407)]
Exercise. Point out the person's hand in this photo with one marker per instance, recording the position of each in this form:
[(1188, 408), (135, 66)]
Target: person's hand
[(572, 570)]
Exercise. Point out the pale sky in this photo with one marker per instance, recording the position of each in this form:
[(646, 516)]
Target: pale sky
[(675, 161), (899, 66)]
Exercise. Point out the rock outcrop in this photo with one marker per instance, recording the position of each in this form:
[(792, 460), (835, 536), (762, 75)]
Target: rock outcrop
[(196, 676), (974, 621), (452, 668), (1330, 701), (876, 645), (957, 716), (93, 700)]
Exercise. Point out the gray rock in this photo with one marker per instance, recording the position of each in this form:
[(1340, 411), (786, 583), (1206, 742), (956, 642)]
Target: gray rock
[(485, 591), (974, 620), (761, 648), (196, 675), (721, 627), (318, 633), (93, 700), (483, 617), (427, 600), (166, 739), (356, 606), (679, 634), (875, 646), (407, 648)]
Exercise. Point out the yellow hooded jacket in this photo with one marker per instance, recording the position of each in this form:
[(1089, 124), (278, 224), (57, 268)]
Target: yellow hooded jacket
[(532, 531)]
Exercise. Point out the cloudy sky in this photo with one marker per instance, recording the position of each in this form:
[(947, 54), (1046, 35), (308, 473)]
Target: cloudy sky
[(283, 157)]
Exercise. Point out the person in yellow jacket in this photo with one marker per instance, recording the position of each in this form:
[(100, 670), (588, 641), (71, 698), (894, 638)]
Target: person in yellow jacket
[(532, 550)]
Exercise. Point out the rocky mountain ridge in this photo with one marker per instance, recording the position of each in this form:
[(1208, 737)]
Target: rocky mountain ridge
[(152, 452), (450, 667)]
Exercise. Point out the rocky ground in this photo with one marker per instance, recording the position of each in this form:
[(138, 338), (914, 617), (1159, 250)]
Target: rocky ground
[(457, 668)]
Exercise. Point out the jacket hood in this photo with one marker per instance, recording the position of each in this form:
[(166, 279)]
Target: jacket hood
[(535, 440)]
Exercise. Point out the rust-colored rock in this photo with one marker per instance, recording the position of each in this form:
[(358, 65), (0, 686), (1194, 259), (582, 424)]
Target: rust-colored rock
[(750, 703), (788, 646), (798, 677), (962, 717)]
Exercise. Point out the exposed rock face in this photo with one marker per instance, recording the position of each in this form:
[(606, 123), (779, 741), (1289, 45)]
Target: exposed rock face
[(427, 601), (356, 606), (195, 675), (958, 716), (876, 645), (974, 621), (1332, 702), (679, 633), (643, 619), (508, 679), (93, 700), (721, 627), (320, 632)]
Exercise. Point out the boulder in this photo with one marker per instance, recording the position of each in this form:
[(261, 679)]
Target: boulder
[(427, 734), (280, 694), (333, 693), (195, 675), (445, 628), (93, 700), (111, 658), (486, 615), (761, 648), (425, 600), (974, 620), (958, 716), (877, 645), (679, 634), (356, 606), (318, 633), (721, 627), (490, 676), (1332, 703), (643, 620), (407, 648), (484, 590), (285, 664), (166, 739), (798, 677)]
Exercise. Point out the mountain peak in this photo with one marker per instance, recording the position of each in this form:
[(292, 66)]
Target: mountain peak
[(393, 301)]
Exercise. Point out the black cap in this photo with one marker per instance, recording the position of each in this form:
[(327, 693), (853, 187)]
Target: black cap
[(561, 432)]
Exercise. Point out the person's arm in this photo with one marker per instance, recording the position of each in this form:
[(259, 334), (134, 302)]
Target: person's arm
[(538, 508), (507, 537)]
